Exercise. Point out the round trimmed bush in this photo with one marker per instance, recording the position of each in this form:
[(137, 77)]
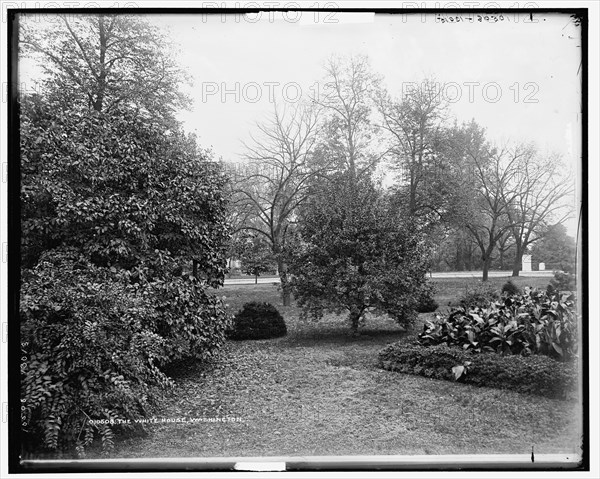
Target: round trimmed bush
[(427, 304), (510, 288), (258, 321)]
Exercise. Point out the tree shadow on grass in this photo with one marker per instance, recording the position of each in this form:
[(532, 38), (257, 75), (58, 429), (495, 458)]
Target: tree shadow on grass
[(340, 335)]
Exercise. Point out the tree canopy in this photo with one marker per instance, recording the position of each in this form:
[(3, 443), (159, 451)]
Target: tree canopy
[(119, 188), (104, 61)]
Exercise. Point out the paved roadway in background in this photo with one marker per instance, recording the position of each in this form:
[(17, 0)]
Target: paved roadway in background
[(450, 274)]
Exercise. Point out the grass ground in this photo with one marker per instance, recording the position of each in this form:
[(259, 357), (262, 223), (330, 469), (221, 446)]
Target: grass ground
[(318, 391), (450, 289)]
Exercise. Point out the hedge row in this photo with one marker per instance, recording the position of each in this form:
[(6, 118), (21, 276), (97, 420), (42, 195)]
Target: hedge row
[(537, 374)]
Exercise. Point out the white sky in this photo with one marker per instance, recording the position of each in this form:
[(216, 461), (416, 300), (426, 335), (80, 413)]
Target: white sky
[(533, 67)]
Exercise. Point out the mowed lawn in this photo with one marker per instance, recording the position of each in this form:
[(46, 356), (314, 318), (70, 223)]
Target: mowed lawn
[(318, 391)]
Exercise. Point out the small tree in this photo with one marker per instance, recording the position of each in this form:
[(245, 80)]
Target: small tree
[(256, 255), (355, 253)]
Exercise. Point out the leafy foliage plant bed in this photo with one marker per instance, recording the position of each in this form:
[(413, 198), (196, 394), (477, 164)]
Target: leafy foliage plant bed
[(534, 322), (525, 342)]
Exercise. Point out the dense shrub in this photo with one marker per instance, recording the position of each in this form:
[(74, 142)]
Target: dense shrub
[(556, 248), (427, 304), (88, 354), (562, 281), (118, 188), (480, 295), (534, 322), (258, 321), (509, 288), (95, 342), (539, 375)]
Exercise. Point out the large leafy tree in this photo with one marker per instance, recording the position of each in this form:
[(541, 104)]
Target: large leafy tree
[(356, 252), (119, 188), (124, 231), (113, 207), (555, 248), (104, 61)]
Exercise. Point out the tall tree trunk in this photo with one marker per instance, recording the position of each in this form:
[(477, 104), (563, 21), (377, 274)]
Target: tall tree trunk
[(457, 258), (195, 268), (354, 318), (518, 260), (412, 201), (487, 260), (516, 268)]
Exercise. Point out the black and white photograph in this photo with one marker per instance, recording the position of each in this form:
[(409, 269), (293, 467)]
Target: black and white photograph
[(295, 237)]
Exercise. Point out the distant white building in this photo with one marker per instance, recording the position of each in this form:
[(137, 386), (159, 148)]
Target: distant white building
[(526, 263)]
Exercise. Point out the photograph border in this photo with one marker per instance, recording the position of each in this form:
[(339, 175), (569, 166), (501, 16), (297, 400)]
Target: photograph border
[(334, 463)]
